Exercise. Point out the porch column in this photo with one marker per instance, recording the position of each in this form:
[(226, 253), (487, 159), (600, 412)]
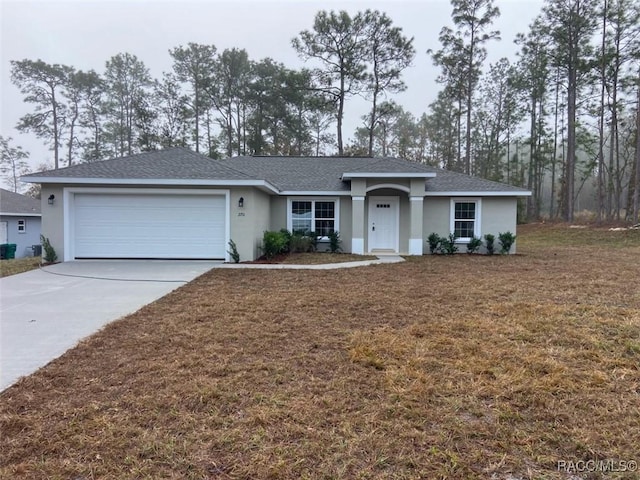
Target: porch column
[(416, 215), (357, 216), (416, 207)]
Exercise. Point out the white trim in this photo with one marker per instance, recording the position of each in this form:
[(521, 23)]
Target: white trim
[(350, 175), (357, 246), (479, 194), (68, 194), (394, 186), (12, 214), (386, 198), (190, 182), (358, 198), (415, 246), (336, 219), (310, 193), (416, 199), (477, 224)]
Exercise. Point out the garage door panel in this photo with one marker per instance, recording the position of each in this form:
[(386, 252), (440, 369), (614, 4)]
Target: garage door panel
[(149, 226)]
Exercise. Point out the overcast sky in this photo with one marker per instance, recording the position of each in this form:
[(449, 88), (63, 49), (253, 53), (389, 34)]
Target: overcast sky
[(85, 34)]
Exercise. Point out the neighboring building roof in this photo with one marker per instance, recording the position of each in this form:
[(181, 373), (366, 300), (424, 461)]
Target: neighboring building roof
[(15, 204), (180, 166)]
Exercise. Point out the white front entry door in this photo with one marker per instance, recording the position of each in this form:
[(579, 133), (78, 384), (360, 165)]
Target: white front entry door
[(383, 223)]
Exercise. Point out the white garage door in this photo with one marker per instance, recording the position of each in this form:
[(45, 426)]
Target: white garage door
[(149, 226)]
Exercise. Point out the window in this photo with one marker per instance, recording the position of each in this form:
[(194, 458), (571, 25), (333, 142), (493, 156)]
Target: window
[(22, 226), (465, 221), (317, 216)]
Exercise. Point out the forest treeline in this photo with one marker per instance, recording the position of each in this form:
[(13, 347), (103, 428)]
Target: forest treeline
[(560, 115)]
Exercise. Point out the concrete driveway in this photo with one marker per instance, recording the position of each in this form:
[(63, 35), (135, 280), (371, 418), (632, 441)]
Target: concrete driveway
[(45, 312)]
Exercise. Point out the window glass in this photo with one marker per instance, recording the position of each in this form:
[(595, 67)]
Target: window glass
[(301, 216), (313, 216), (324, 218), (22, 226), (464, 219)]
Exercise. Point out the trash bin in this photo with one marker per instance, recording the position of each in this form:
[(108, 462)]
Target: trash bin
[(3, 251), (37, 250), (11, 250)]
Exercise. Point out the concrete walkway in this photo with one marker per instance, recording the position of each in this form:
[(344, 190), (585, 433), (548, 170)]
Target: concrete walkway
[(322, 266), (45, 312)]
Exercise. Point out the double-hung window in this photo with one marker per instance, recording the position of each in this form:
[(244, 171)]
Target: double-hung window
[(465, 218), (22, 226), (319, 216)]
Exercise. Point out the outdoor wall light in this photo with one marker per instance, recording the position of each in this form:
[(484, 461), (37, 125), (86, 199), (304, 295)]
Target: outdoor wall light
[(241, 202), (51, 199)]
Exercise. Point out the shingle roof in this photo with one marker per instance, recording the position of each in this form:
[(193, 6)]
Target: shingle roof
[(11, 202), (447, 181), (172, 163), (288, 174)]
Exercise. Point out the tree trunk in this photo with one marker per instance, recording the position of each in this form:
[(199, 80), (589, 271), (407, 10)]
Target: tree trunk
[(571, 142), (601, 119), (636, 187), (340, 114), (56, 134), (196, 112)]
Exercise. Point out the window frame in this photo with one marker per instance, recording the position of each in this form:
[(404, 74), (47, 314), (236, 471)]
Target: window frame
[(22, 225), (477, 221), (313, 200)]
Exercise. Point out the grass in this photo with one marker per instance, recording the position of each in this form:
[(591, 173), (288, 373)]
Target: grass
[(18, 265), (317, 258), (464, 367)]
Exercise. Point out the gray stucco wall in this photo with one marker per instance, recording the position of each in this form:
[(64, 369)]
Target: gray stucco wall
[(278, 212), (53, 218), (498, 214), (249, 222), (346, 224), (23, 240)]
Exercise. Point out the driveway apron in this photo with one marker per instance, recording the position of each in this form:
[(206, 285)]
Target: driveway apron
[(45, 312)]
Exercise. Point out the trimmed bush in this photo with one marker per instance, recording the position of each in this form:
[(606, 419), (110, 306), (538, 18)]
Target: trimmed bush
[(474, 245), (434, 241), (50, 255), (448, 245), (334, 242), (235, 256), (273, 243), (507, 239), (489, 241)]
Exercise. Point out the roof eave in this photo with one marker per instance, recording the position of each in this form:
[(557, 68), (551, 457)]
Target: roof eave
[(471, 193), (153, 181), (18, 214), (350, 175)]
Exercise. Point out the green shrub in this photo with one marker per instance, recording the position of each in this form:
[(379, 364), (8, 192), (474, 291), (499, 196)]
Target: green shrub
[(50, 255), (448, 245), (507, 239), (301, 242), (434, 241), (273, 243), (287, 237), (334, 242), (489, 241), (235, 256), (474, 245)]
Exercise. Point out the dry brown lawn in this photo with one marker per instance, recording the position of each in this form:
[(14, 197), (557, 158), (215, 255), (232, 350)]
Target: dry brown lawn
[(18, 265), (464, 367)]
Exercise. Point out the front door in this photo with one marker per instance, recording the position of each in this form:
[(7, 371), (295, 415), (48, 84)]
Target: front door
[(383, 223)]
